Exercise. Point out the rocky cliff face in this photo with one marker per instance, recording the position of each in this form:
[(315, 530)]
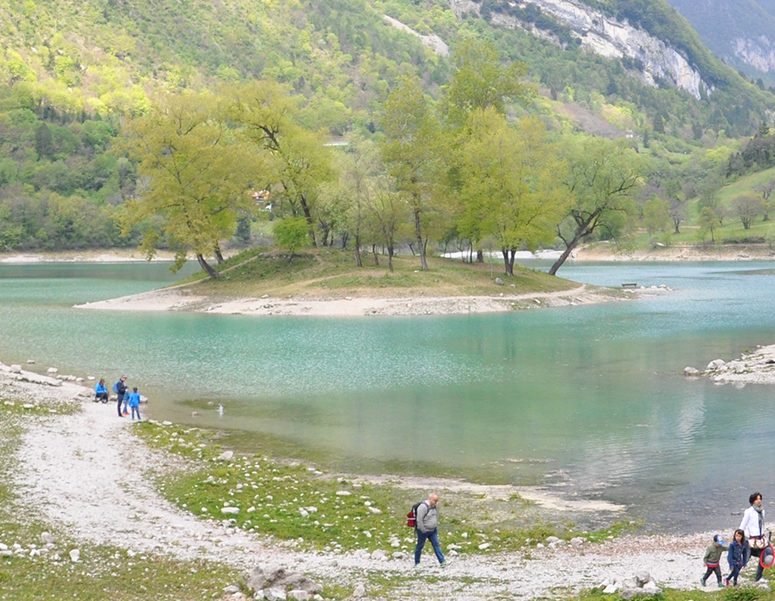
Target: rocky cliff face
[(757, 52), (608, 37), (742, 32)]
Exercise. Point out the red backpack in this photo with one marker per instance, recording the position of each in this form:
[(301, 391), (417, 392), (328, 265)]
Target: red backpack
[(411, 517)]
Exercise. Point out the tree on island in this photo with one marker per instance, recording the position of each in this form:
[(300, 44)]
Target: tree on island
[(411, 154), (291, 234), (268, 114), (509, 186), (192, 194), (602, 178)]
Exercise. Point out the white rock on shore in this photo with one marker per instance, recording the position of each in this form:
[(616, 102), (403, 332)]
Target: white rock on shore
[(757, 367)]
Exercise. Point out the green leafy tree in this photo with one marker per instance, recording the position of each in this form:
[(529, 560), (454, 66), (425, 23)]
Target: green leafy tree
[(291, 234), (481, 80), (768, 200), (411, 152), (197, 173), (510, 184), (268, 114), (656, 215), (601, 181), (709, 220), (389, 209), (356, 186)]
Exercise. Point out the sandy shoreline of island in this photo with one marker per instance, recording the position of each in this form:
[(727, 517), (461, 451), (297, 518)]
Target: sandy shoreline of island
[(182, 299)]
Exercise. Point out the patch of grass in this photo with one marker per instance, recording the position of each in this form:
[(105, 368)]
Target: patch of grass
[(38, 408), (332, 272), (313, 510), (741, 593), (108, 573)]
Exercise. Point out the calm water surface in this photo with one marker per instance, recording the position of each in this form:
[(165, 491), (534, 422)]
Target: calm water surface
[(589, 401)]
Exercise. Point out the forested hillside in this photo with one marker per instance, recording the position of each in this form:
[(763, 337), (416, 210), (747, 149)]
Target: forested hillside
[(84, 83)]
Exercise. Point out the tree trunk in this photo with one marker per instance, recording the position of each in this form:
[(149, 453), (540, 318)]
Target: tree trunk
[(324, 229), (358, 258), (390, 257), (480, 256), (565, 254), (375, 253), (418, 235), (308, 217), (676, 223), (206, 267), (218, 254), (508, 264)]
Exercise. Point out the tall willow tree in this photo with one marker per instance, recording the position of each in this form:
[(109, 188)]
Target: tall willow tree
[(511, 189), (601, 181), (410, 151), (197, 172), (268, 114), (481, 82)]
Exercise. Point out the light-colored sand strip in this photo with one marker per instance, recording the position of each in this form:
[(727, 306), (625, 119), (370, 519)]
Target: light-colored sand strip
[(177, 299)]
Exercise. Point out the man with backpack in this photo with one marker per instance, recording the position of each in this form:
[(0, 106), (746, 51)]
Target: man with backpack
[(426, 526), (120, 389)]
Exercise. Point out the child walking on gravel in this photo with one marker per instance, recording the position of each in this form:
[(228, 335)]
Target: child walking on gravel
[(712, 560), (737, 556)]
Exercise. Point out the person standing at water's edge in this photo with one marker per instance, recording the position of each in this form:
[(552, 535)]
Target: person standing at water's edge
[(120, 389), (752, 525), (427, 529), (134, 403)]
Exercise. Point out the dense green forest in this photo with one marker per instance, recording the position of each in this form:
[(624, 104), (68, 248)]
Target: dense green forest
[(85, 84)]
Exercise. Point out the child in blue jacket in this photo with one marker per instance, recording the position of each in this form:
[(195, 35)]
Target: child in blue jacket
[(134, 403), (737, 556)]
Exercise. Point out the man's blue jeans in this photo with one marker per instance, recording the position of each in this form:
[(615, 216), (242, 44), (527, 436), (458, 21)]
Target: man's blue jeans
[(433, 536)]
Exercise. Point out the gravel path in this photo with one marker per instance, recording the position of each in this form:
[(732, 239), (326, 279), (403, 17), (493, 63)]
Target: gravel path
[(87, 473)]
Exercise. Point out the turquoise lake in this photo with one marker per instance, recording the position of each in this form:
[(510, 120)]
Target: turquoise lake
[(589, 401)]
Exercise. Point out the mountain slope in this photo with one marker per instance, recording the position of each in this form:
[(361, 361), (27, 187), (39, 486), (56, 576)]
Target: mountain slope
[(71, 72), (742, 32)]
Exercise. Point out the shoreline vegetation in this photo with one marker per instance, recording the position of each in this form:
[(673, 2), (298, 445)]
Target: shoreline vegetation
[(121, 495)]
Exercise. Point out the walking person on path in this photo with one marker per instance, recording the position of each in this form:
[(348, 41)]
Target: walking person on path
[(120, 389), (712, 560), (427, 529), (752, 526), (737, 556), (134, 404)]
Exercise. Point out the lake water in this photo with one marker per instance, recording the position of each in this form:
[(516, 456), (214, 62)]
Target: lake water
[(589, 401)]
